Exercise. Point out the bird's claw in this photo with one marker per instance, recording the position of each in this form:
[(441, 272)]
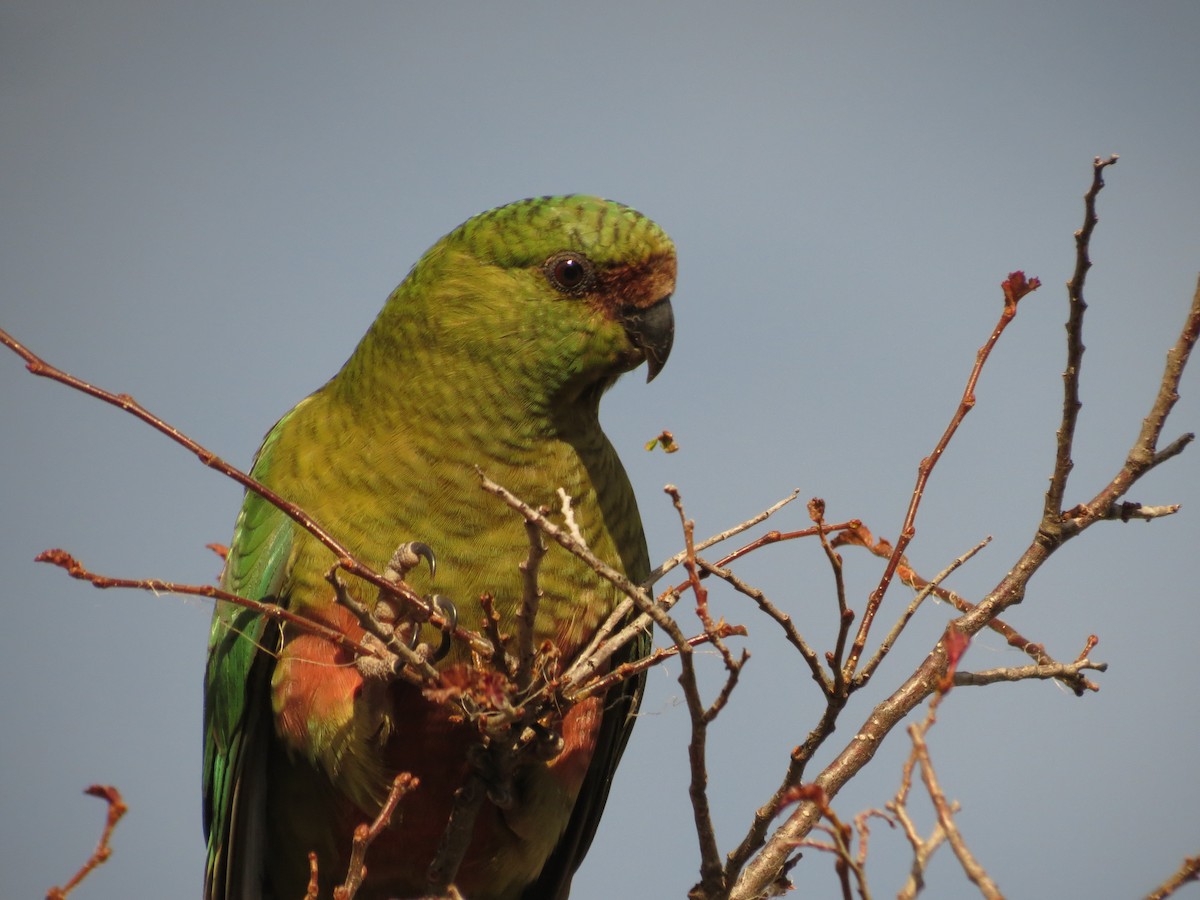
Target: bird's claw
[(445, 608), (407, 557)]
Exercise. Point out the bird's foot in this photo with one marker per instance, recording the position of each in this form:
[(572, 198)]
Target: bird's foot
[(406, 558)]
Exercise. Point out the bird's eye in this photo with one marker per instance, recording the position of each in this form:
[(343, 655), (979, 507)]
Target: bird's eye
[(569, 272)]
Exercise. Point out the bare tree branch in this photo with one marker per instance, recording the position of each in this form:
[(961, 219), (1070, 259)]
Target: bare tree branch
[(974, 871), (1025, 673), (763, 871), (1189, 870), (530, 599), (929, 588), (76, 569), (1015, 287), (116, 809), (1071, 402), (365, 835)]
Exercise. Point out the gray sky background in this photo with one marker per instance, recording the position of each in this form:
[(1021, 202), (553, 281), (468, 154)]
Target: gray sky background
[(206, 204)]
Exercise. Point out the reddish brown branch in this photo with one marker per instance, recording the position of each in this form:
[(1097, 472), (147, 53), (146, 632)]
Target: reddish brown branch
[(1015, 287), (722, 536), (76, 569), (947, 828), (692, 567), (790, 631), (922, 848), (816, 512), (775, 537), (116, 809), (365, 835), (924, 589), (491, 629)]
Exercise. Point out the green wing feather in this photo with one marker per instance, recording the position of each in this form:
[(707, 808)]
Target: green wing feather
[(237, 726), (555, 881)]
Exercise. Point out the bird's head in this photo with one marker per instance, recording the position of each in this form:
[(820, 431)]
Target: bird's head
[(561, 294)]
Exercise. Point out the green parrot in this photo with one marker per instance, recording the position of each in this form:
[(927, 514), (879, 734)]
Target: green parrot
[(493, 353)]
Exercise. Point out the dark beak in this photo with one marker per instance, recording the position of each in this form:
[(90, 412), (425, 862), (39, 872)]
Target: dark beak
[(651, 329)]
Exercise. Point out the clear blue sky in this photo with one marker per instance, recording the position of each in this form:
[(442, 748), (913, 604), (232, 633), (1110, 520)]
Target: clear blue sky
[(205, 204)]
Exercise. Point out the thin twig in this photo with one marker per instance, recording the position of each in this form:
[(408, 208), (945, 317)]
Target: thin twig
[(565, 539), (1025, 673), (1189, 870), (769, 811), (599, 651), (619, 629), (922, 848), (531, 596), (1071, 402), (1144, 455), (491, 630), (468, 800), (604, 642), (116, 809), (779, 617), (601, 645), (1015, 287), (627, 670), (710, 855), (816, 512), (974, 871), (863, 828), (365, 835), (667, 565), (694, 574), (929, 587), (38, 366), (1037, 652), (76, 569)]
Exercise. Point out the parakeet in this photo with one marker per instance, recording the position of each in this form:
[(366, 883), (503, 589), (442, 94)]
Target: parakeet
[(492, 353)]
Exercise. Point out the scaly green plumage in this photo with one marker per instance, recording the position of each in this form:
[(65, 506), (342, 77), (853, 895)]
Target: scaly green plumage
[(489, 354)]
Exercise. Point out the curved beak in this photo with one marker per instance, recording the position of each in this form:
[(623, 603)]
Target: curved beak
[(652, 330)]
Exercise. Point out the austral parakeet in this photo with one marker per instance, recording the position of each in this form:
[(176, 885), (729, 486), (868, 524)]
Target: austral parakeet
[(491, 356)]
